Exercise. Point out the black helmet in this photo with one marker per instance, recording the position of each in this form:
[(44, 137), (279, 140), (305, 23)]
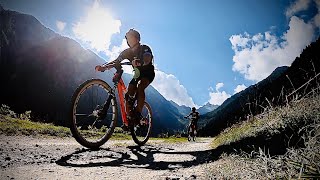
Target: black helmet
[(193, 108)]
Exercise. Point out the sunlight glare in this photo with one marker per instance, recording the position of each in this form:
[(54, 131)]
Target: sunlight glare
[(97, 28)]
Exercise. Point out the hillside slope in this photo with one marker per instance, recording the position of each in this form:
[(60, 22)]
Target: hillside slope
[(272, 91)]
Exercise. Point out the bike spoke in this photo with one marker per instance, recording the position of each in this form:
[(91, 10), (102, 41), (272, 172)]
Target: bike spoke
[(82, 114)]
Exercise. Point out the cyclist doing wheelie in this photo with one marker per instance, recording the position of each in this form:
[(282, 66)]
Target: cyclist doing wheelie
[(194, 119), (142, 61)]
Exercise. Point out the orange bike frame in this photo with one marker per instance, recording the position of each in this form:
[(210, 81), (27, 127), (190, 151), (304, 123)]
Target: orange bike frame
[(121, 90)]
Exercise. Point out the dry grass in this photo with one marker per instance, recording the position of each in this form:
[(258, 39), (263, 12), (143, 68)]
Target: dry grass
[(242, 167), (14, 126), (302, 115)]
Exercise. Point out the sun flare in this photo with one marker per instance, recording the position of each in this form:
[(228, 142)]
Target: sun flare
[(97, 27)]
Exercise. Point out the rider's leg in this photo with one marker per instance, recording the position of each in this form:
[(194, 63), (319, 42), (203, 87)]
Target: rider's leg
[(132, 88), (142, 85), (196, 127)]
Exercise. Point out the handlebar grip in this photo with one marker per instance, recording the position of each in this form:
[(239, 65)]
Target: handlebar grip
[(126, 63), (113, 64)]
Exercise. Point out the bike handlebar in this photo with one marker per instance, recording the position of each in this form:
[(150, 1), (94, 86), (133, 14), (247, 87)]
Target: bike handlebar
[(191, 118), (114, 63), (126, 63)]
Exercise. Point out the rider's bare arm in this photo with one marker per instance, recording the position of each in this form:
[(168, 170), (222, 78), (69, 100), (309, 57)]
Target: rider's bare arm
[(123, 55), (147, 58), (188, 115)]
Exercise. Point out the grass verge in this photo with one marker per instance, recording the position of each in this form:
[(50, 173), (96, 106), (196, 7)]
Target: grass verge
[(298, 114), (302, 117), (14, 126), (173, 140)]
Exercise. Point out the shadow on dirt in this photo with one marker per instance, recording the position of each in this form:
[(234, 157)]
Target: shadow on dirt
[(136, 157), (161, 158)]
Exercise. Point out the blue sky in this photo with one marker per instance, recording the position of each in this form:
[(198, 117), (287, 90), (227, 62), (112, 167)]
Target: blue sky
[(205, 51)]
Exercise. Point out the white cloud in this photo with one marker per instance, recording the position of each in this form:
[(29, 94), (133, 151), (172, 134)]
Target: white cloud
[(97, 27), (299, 5), (60, 25), (239, 88), (217, 97), (114, 52), (258, 55), (170, 87), (219, 86)]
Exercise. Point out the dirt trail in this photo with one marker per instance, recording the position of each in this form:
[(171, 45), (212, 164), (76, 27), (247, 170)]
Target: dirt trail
[(24, 157)]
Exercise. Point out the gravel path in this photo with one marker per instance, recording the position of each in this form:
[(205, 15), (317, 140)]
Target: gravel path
[(23, 157)]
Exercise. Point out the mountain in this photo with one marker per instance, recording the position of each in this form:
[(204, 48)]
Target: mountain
[(184, 110), (207, 108), (276, 90), (40, 70)]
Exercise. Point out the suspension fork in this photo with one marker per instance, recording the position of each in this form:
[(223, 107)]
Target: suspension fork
[(102, 114), (107, 103)]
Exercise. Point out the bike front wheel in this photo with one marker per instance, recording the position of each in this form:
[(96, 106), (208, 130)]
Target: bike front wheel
[(141, 131), (93, 113)]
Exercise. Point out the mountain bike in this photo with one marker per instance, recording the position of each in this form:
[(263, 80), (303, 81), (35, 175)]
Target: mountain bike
[(192, 133), (94, 111)]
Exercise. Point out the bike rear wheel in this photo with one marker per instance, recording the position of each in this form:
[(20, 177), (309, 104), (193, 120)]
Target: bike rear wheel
[(93, 113), (141, 131)]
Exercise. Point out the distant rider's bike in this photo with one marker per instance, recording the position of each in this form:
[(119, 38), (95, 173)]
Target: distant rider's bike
[(192, 133), (94, 112)]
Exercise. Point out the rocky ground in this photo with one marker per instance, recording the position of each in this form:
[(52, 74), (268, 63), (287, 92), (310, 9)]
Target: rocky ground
[(23, 157)]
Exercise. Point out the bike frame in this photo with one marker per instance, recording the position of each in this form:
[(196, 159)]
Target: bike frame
[(121, 88)]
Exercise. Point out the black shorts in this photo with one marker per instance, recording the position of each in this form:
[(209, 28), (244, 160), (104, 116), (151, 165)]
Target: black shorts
[(143, 74)]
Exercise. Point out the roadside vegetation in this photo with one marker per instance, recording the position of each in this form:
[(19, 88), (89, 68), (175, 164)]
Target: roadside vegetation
[(12, 124), (298, 118)]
